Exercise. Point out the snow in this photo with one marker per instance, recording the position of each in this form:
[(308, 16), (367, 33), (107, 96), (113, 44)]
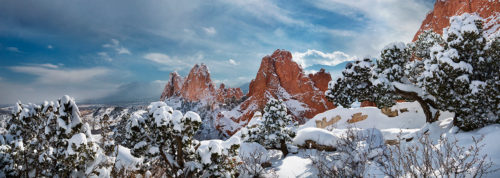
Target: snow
[(77, 140), (193, 116), (461, 24), (252, 149), (295, 166), (208, 147), (125, 160), (412, 119), (320, 136)]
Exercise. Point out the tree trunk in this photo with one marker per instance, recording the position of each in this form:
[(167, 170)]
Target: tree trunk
[(425, 104), (180, 154), (283, 147)]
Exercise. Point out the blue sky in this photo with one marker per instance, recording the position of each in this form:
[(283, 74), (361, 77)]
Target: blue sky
[(95, 49)]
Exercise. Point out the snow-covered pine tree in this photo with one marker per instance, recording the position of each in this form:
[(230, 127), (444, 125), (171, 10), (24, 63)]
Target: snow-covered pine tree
[(107, 142), (354, 85), (420, 52), (50, 140), (219, 158), (23, 139), (385, 82), (164, 138), (463, 74), (276, 130), (393, 78)]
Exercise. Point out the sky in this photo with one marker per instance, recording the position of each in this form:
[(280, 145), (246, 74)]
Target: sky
[(95, 50)]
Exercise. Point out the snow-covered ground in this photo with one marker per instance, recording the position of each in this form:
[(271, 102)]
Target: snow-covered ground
[(407, 124)]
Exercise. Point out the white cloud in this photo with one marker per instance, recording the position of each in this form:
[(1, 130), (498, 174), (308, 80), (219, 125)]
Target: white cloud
[(105, 56), (115, 44), (47, 75), (210, 30), (172, 63), (233, 62), (48, 65), (13, 49), (266, 11), (50, 46), (311, 57), (386, 21)]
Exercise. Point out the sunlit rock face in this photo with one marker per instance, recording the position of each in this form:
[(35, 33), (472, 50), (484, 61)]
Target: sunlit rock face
[(439, 18), (282, 78)]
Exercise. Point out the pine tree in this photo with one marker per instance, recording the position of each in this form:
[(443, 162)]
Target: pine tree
[(49, 140), (164, 138), (219, 158), (276, 130), (463, 74), (354, 85)]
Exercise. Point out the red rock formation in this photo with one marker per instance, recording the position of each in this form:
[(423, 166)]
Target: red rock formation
[(368, 104), (224, 94), (280, 77), (439, 18), (173, 86), (198, 87)]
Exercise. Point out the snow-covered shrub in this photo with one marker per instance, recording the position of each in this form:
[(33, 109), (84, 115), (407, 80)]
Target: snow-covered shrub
[(354, 86), (356, 150), (445, 158), (275, 131), (463, 74), (458, 74), (107, 142), (253, 156), (219, 158), (164, 137), (50, 140)]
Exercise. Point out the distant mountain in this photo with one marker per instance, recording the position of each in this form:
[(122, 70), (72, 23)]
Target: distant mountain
[(134, 92), (334, 71), (245, 87)]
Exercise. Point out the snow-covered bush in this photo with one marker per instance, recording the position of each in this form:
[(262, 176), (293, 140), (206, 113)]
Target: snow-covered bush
[(49, 140), (458, 74), (356, 150), (425, 158), (275, 131), (219, 158), (463, 74), (354, 86), (253, 157), (164, 137)]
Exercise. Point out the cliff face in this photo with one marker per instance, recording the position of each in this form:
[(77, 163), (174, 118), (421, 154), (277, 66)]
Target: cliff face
[(439, 18), (198, 87), (173, 86), (279, 77)]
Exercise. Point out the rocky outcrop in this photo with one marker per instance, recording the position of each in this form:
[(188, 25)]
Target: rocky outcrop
[(228, 94), (439, 18), (173, 86), (280, 77), (199, 87)]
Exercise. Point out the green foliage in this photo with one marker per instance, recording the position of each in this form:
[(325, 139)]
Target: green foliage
[(42, 140), (463, 74), (276, 130)]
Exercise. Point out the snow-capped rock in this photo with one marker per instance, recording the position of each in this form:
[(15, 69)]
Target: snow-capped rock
[(439, 18), (198, 86), (282, 78)]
